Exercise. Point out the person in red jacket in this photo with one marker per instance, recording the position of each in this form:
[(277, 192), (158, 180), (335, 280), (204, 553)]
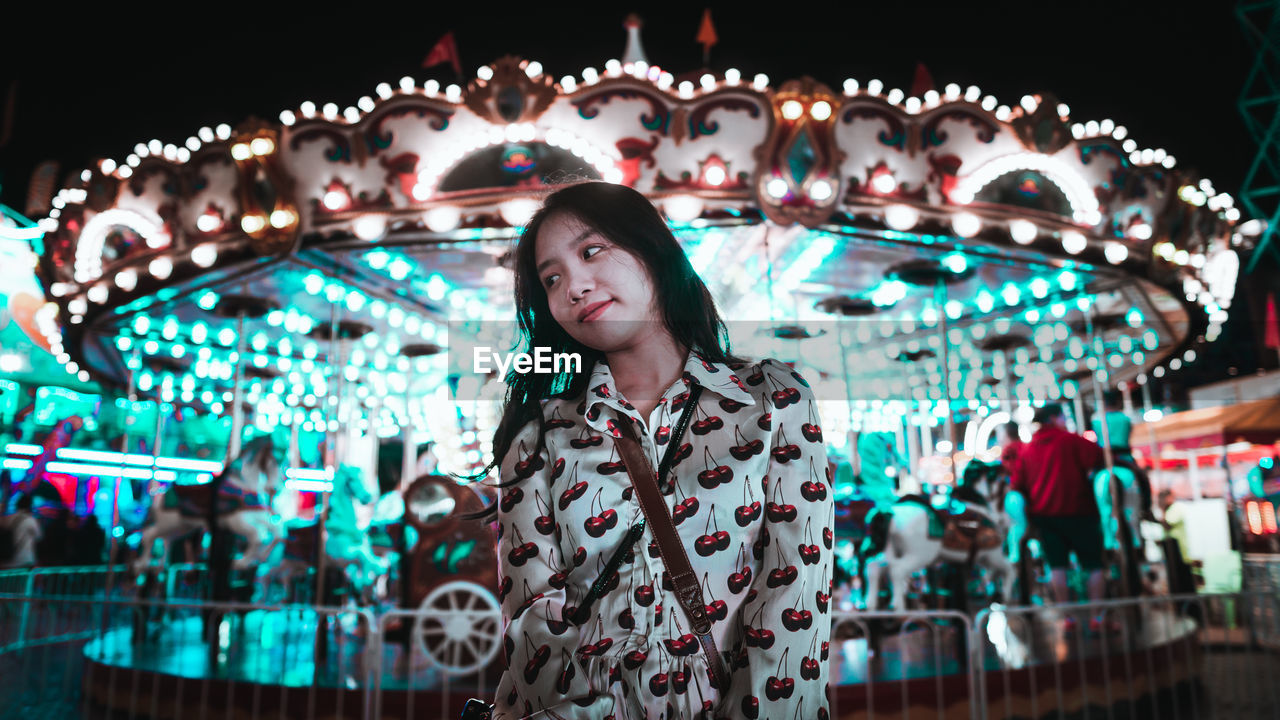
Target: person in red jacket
[(1053, 472), (1010, 445)]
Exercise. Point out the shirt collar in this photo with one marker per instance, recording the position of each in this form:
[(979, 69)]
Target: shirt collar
[(714, 376)]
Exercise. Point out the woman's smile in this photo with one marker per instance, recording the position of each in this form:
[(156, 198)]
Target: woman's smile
[(594, 311)]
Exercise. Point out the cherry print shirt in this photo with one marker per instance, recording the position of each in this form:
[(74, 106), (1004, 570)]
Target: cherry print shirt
[(751, 500)]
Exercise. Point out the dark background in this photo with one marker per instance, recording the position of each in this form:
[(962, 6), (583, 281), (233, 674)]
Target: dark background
[(86, 86)]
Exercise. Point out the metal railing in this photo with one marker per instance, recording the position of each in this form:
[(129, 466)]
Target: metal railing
[(74, 654)]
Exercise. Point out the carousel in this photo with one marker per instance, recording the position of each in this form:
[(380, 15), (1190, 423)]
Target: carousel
[(316, 283)]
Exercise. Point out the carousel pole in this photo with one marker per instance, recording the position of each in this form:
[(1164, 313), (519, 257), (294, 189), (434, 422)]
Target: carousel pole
[(237, 398), (330, 444), (1154, 451), (115, 495), (1117, 513), (940, 299)]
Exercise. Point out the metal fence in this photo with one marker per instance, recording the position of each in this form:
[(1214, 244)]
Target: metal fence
[(65, 652)]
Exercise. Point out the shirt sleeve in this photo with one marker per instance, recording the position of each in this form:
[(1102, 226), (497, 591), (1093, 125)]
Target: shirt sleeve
[(542, 670), (780, 670)]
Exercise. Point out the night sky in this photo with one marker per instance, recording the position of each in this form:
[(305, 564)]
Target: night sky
[(88, 87)]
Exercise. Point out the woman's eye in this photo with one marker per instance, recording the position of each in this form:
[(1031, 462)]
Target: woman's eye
[(588, 252), (549, 280)]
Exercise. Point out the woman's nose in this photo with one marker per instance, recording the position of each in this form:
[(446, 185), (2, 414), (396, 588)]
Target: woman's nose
[(579, 285)]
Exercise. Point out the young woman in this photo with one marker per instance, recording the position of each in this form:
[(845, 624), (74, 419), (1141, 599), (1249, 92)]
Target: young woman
[(598, 273)]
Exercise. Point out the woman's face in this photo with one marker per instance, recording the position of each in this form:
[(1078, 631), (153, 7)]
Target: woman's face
[(598, 292)]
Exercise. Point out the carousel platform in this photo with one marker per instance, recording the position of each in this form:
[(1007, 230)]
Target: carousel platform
[(269, 664)]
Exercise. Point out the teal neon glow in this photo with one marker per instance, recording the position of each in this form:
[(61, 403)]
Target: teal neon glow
[(334, 292), (956, 263), (400, 268), (377, 259), (208, 300), (275, 318), (313, 283), (1039, 287), (1010, 294), (124, 343), (17, 464), (1133, 317), (1068, 280), (199, 332), (227, 337), (23, 449), (141, 324), (986, 302)]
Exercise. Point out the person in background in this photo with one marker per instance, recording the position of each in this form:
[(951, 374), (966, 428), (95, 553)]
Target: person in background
[(1119, 433), (1053, 472), (25, 533), (1010, 443)]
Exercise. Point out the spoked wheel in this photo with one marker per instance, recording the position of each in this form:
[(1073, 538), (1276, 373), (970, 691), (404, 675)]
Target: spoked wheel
[(459, 628)]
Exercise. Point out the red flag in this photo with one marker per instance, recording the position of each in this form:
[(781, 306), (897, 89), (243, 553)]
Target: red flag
[(922, 82), (446, 50), (707, 32), (1271, 334)]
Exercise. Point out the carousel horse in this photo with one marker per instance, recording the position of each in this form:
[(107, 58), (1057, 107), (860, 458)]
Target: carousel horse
[(913, 534), (346, 546), (1121, 534), (880, 465), (240, 497)]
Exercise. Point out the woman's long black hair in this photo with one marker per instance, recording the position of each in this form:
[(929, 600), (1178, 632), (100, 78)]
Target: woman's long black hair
[(629, 220)]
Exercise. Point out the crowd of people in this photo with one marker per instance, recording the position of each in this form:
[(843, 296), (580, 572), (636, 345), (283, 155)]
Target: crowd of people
[(64, 539)]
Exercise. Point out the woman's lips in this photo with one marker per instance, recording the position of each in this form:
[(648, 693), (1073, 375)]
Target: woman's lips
[(593, 311)]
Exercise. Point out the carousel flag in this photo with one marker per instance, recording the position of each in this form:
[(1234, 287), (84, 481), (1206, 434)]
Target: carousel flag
[(445, 50), (707, 35)]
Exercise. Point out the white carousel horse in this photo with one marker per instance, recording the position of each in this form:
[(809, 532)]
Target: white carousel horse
[(900, 542), (879, 466), (1131, 506), (241, 497), (347, 543)]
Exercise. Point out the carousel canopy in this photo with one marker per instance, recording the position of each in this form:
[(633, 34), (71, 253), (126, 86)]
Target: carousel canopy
[(1256, 422), (869, 236)]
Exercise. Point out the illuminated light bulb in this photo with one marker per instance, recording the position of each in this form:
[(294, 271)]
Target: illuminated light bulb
[(1039, 287), (369, 227), (98, 294), (707, 81), (335, 200), (777, 188), (443, 218), (686, 89), (1023, 232), (330, 111), (956, 263), (884, 183), (792, 110), (1140, 231), (913, 105), (282, 218), (1074, 242), (127, 280), (252, 223), (1181, 257), (820, 190), (760, 82), (518, 211), (820, 110), (1010, 294), (850, 86), (262, 146), (485, 73), (895, 96), (874, 87), (966, 224), (1115, 252), (714, 175), (733, 76), (160, 268), (204, 255), (683, 208), (901, 217), (241, 151)]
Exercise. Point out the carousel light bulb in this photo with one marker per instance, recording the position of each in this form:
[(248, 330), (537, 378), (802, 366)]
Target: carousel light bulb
[(253, 223), (1023, 232), (820, 110), (443, 218), (714, 175), (792, 110), (1115, 252), (1074, 242), (127, 280), (820, 190), (160, 267), (901, 217), (1139, 231), (683, 208), (282, 218), (1010, 294), (204, 255), (241, 151), (966, 224), (884, 183), (986, 303), (957, 263), (369, 227), (777, 188), (262, 146)]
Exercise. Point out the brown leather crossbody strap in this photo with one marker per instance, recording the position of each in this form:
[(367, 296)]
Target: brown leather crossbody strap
[(658, 515)]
